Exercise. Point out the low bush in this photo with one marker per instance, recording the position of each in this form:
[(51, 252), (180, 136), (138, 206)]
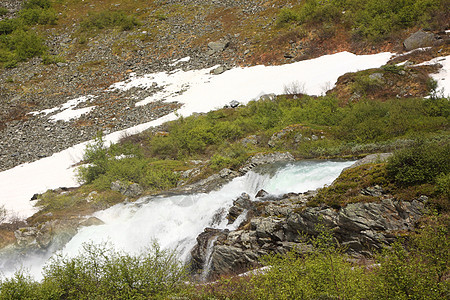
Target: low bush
[(39, 16), (372, 20), (422, 163), (109, 19), (17, 41), (100, 272), (3, 11), (32, 4)]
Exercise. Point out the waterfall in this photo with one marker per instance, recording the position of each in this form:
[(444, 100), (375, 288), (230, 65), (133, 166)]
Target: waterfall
[(208, 260), (176, 221)]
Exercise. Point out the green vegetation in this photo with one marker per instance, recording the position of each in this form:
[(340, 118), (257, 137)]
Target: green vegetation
[(99, 272), (3, 11), (152, 159), (125, 162), (373, 20), (422, 163), (18, 42), (412, 268), (423, 168), (109, 19)]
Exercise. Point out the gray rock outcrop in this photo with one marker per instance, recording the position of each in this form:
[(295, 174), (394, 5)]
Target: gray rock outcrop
[(419, 39), (129, 190), (278, 227)]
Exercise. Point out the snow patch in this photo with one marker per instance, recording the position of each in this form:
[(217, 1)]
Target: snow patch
[(68, 111), (443, 76)]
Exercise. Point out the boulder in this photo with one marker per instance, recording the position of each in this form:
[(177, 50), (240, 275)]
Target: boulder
[(218, 46), (234, 103), (217, 71), (91, 221), (129, 190), (419, 39), (250, 140), (242, 203)]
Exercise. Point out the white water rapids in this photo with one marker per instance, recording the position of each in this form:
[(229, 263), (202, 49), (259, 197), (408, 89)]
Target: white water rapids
[(176, 221)]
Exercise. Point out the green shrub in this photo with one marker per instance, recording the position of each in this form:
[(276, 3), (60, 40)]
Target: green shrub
[(3, 11), (99, 272), (19, 43), (324, 273), (25, 44), (48, 59), (372, 20), (443, 184), (418, 273), (30, 4), (39, 16), (109, 19), (20, 286), (9, 25), (422, 163), (286, 16)]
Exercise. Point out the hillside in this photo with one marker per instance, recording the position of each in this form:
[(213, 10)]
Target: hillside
[(73, 71), (84, 52)]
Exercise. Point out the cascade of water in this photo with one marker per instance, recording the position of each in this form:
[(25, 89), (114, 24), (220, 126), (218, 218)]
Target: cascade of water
[(208, 260), (176, 221)]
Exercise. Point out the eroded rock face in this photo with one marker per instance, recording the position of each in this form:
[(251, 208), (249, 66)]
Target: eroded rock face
[(275, 227)]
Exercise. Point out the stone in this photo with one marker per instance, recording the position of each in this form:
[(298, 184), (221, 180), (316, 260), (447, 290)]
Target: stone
[(250, 140), (376, 76), (242, 203), (217, 71), (234, 104), (419, 39), (261, 194), (131, 190), (218, 46), (91, 221)]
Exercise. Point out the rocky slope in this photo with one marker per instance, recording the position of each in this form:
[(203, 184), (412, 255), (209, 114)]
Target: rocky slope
[(226, 33)]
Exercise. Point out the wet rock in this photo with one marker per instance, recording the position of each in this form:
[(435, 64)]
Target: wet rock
[(198, 253), (261, 194), (55, 233), (278, 227), (370, 159), (91, 221), (242, 203), (266, 158)]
